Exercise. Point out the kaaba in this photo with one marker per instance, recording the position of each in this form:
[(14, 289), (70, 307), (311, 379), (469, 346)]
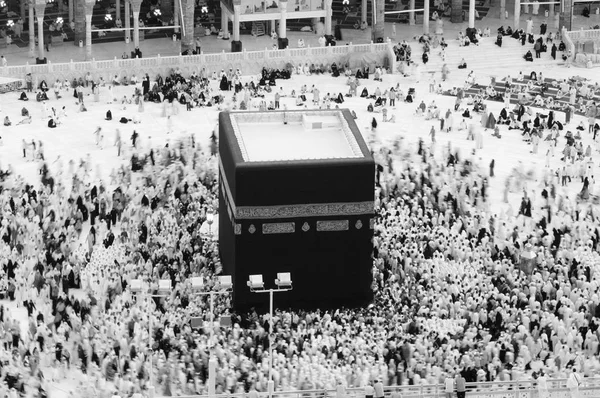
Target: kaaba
[(296, 195)]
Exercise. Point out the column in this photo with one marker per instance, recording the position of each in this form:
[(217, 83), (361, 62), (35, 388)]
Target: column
[(502, 10), (426, 17), (224, 20), (70, 11), (471, 13), (88, 37), (127, 22), (328, 17), (176, 14), (89, 11), (378, 11), (40, 8), (283, 19), (236, 22), (23, 9), (236, 44), (135, 7), (363, 11), (136, 28), (31, 31), (41, 52), (550, 13), (517, 15), (79, 20), (187, 39), (566, 15), (411, 14), (118, 11)]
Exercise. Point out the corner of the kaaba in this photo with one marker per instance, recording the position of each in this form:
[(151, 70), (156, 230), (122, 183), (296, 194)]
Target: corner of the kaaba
[(312, 218)]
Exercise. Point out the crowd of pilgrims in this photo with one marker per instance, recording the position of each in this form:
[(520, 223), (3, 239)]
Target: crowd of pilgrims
[(451, 294)]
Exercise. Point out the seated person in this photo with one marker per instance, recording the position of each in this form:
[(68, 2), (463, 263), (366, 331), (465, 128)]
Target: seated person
[(466, 113), (23, 97), (82, 108), (528, 56), (51, 123), (24, 112), (41, 96), (370, 107), (7, 121), (108, 115), (463, 64)]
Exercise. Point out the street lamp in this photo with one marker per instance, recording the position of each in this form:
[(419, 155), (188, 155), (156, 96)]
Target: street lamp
[(164, 290), (223, 285), (256, 285), (210, 218)]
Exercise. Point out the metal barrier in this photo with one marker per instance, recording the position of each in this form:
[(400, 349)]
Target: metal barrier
[(249, 62), (509, 389)]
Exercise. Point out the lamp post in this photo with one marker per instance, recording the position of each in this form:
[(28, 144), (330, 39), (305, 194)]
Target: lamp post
[(256, 285), (164, 290), (210, 218), (224, 285)]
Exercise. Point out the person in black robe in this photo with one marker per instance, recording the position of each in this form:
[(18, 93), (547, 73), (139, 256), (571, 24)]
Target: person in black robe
[(23, 97), (51, 123), (146, 84), (425, 58), (224, 85), (499, 40), (364, 93), (553, 51), (134, 137), (528, 56), (108, 115)]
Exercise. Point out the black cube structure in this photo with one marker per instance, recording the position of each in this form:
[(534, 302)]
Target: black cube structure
[(296, 195)]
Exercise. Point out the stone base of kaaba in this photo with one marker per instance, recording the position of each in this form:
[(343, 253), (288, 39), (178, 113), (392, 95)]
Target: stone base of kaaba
[(312, 218)]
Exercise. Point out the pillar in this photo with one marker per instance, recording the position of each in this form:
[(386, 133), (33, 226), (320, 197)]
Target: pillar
[(224, 20), (517, 15), (363, 11), (426, 17), (118, 10), (236, 22), (31, 31), (70, 11), (176, 14), (550, 12), (283, 19), (23, 9), (282, 40), (136, 28), (88, 37), (471, 13), (187, 39), (328, 17), (502, 10), (378, 10), (127, 22), (40, 9), (456, 12), (411, 14), (89, 11), (41, 52), (566, 15), (135, 7), (79, 19)]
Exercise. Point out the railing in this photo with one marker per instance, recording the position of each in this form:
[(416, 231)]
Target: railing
[(248, 61), (574, 39), (590, 387)]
